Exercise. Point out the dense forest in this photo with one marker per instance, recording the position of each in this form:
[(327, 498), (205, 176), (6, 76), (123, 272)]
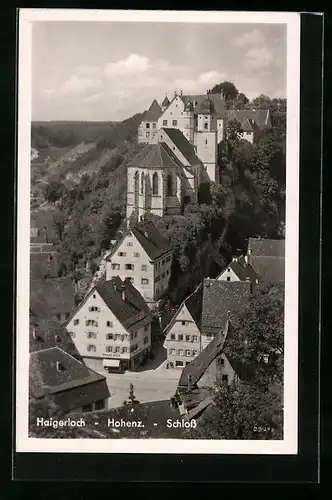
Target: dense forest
[(248, 201)]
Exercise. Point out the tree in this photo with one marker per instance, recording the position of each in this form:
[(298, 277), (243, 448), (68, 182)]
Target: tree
[(227, 89), (59, 222), (54, 191), (258, 339), (245, 412)]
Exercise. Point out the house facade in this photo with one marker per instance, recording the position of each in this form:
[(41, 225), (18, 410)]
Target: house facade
[(201, 317), (144, 257), (239, 269), (112, 327)]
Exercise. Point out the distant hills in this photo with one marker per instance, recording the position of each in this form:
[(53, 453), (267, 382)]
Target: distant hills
[(66, 151)]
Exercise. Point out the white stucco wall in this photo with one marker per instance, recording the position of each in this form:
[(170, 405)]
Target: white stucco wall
[(188, 329)]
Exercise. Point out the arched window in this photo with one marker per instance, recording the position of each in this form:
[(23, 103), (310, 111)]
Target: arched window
[(155, 183), (136, 188), (206, 125), (142, 183), (169, 185)]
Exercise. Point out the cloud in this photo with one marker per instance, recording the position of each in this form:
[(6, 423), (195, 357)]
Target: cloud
[(211, 77), (93, 98), (132, 65), (87, 70), (258, 58), (78, 85), (254, 37)]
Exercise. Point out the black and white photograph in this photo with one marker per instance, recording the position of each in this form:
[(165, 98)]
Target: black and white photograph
[(157, 255)]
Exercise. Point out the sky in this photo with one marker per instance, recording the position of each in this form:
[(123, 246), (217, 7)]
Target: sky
[(109, 71)]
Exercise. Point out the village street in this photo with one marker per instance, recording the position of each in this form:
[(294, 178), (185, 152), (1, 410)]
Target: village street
[(150, 385), (152, 381)]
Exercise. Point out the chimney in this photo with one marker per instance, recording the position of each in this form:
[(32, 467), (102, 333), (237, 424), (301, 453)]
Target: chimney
[(34, 334), (234, 259), (249, 251), (189, 382), (256, 282), (123, 292), (146, 234), (246, 260), (58, 366), (228, 314)]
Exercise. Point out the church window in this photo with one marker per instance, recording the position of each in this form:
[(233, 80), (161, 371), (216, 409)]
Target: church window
[(169, 185), (142, 183), (206, 125), (205, 141), (155, 183)]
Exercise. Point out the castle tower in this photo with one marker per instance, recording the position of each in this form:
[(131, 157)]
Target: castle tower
[(206, 138), (188, 122), (165, 104)]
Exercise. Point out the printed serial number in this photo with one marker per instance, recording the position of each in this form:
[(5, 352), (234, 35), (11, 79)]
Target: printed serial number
[(262, 429)]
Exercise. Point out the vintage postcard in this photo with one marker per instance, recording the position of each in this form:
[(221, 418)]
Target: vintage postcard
[(157, 256)]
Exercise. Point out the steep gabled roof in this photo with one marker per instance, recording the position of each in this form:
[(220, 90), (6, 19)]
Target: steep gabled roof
[(242, 269), (73, 385), (221, 298), (218, 102), (268, 268), (131, 311), (153, 112), (205, 106), (194, 305), (52, 296), (151, 240), (266, 247), (155, 155), (182, 143), (258, 117), (195, 370)]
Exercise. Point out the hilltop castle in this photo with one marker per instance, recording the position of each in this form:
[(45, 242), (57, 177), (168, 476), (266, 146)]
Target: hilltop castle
[(181, 140)]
